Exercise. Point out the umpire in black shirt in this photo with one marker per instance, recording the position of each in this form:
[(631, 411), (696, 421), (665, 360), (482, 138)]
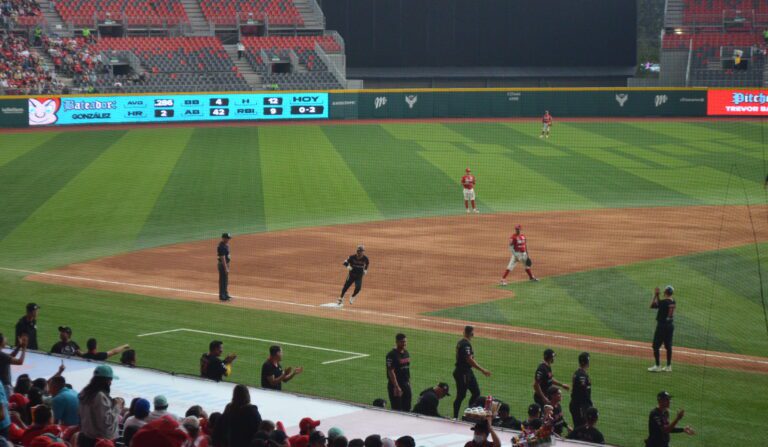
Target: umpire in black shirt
[(465, 378), (27, 325), (399, 375), (429, 400), (223, 259)]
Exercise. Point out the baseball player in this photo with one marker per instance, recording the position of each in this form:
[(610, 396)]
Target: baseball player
[(546, 122), (223, 258), (357, 264), (665, 327), (468, 182), (518, 245)]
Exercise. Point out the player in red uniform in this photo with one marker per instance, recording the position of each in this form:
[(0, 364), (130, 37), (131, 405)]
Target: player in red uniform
[(518, 245), (468, 182), (546, 121)]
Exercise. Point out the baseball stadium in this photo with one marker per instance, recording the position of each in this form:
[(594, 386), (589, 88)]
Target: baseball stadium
[(383, 223)]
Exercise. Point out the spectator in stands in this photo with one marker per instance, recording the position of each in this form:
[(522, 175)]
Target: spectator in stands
[(307, 426), (27, 325), (137, 420), (99, 413), (65, 345), (212, 366), (482, 429), (429, 400), (278, 438), (588, 432), (93, 354), (505, 419), (555, 399), (164, 432), (5, 414), (379, 403), (272, 374), (533, 422), (192, 426), (240, 420), (64, 402), (87, 34), (317, 439), (128, 358), (333, 433), (8, 359), (240, 50), (42, 423), (266, 427), (405, 441), (161, 409), (373, 441), (38, 33)]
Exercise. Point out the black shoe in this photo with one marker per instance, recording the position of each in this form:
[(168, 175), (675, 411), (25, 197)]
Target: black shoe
[(226, 298)]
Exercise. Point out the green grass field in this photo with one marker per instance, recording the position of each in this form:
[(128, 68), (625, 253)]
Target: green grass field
[(77, 195)]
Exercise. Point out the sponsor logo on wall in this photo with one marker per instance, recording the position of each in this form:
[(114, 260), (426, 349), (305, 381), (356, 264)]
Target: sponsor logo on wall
[(692, 99), (343, 103), (380, 102), (622, 98), (513, 96), (411, 100), (660, 100), (12, 110)]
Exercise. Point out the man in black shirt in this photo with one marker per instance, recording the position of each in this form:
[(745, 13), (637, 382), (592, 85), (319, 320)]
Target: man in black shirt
[(65, 345), (27, 325), (587, 432), (272, 374), (357, 264), (429, 400), (399, 375), (212, 366), (6, 360), (223, 259), (94, 354), (659, 426), (558, 421), (665, 327), (533, 423), (505, 419), (581, 392), (543, 379), (465, 378)]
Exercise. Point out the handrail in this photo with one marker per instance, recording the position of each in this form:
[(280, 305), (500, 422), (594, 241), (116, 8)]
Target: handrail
[(331, 66), (688, 67)]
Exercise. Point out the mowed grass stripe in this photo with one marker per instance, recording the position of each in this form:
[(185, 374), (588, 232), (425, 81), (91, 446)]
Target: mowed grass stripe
[(13, 145), (306, 182), (399, 182), (32, 178), (215, 186), (112, 198), (496, 188)]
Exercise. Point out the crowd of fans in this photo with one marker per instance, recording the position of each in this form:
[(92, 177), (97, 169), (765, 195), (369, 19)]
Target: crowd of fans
[(13, 10), (50, 412), (22, 71)]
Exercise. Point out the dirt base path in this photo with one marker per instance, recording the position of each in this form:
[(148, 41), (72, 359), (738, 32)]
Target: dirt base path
[(423, 265)]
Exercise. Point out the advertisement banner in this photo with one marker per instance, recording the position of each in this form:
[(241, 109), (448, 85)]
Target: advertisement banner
[(13, 113), (47, 111), (737, 103)]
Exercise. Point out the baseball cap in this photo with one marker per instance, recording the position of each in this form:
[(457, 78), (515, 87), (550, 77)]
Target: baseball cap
[(592, 413), (141, 408), (307, 423), (361, 247), (160, 401), (518, 227), (549, 353), (191, 422), (335, 432), (534, 409), (584, 357), (32, 307), (469, 329), (66, 329), (663, 395), (444, 387), (226, 235), (669, 289), (469, 170), (104, 371)]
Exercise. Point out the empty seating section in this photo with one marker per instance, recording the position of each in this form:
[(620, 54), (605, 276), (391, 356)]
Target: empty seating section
[(704, 12), (177, 63), (280, 48), (711, 40), (227, 12), (138, 12)]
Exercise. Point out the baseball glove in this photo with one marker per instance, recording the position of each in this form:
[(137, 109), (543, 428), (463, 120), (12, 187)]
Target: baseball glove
[(528, 262)]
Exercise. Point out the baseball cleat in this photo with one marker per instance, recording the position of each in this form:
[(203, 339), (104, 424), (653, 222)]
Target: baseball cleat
[(503, 282), (351, 300), (477, 211), (534, 279), (468, 211), (541, 136), (340, 301), (667, 369), (654, 369)]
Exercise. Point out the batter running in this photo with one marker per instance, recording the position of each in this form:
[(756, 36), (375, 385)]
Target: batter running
[(518, 245), (357, 264)]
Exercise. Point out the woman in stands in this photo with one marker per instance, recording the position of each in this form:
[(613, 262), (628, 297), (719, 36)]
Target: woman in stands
[(99, 413), (240, 420)]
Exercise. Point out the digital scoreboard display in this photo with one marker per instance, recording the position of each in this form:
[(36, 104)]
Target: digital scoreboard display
[(176, 108)]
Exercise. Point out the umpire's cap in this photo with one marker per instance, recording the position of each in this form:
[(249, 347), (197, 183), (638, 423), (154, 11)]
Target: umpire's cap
[(584, 358), (226, 235)]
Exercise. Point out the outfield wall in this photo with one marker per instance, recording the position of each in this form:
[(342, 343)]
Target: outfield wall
[(45, 111)]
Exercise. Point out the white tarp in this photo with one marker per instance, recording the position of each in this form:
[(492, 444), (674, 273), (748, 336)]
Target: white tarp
[(183, 392)]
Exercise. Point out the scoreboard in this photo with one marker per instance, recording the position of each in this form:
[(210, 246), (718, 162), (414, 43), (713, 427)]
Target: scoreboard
[(158, 108)]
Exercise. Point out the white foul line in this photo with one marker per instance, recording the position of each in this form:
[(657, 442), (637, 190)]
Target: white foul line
[(354, 355), (401, 317)]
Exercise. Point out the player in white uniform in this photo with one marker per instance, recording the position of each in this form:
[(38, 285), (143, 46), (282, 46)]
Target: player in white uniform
[(468, 182)]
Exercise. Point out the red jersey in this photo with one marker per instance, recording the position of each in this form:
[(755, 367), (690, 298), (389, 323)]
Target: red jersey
[(517, 242), (547, 119), (468, 181)]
